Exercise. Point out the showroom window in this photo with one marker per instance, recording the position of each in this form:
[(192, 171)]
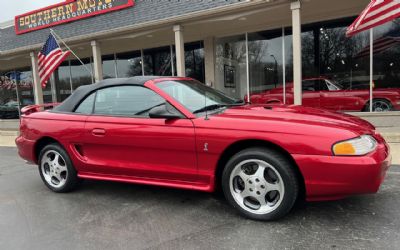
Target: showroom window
[(63, 84), (386, 70), (129, 64), (265, 60), (80, 74), (194, 61), (328, 56), (16, 91), (158, 61), (24, 86), (9, 107), (109, 66), (231, 66)]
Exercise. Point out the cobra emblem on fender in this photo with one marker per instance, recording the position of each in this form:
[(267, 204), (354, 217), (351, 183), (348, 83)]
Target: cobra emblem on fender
[(205, 147)]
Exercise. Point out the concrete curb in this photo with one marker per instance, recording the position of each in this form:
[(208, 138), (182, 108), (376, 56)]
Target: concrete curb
[(9, 133), (395, 152), (391, 137)]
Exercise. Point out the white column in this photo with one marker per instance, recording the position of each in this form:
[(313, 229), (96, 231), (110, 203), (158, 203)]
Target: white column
[(297, 67), (209, 61), (284, 65), (97, 62), (37, 87), (371, 68), (179, 50), (247, 69)]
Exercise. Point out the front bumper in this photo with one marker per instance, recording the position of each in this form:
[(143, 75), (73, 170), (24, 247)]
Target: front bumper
[(335, 177)]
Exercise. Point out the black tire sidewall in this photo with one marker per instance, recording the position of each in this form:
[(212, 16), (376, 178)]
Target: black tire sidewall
[(385, 101), (366, 108), (281, 164), (72, 178)]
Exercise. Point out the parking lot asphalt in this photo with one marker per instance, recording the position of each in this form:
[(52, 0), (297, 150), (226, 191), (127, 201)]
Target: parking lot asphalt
[(105, 215)]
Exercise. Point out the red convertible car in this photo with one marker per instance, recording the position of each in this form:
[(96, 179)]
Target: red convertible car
[(177, 132), (327, 94)]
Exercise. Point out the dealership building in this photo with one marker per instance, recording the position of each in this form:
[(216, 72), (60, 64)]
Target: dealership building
[(238, 47)]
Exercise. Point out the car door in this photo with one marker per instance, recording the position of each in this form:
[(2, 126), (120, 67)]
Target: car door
[(121, 140), (311, 96), (336, 99)]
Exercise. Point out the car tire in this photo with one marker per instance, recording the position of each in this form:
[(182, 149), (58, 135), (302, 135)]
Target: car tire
[(260, 183), (56, 169), (379, 105)]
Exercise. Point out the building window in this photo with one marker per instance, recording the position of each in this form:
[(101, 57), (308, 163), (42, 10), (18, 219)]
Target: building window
[(129, 64), (24, 86), (80, 74), (16, 91), (9, 106), (194, 60), (339, 65), (265, 60), (62, 77), (334, 59), (109, 66), (386, 74), (230, 66), (158, 61)]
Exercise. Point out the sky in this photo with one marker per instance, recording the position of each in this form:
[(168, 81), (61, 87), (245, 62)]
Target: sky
[(10, 8)]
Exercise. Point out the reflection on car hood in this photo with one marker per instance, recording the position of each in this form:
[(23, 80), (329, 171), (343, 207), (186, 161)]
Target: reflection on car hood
[(300, 115)]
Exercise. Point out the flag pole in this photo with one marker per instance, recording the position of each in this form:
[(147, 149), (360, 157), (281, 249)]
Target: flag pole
[(73, 53)]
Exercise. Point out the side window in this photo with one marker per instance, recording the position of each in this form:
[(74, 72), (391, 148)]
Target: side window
[(309, 85), (86, 107), (126, 101), (323, 86)]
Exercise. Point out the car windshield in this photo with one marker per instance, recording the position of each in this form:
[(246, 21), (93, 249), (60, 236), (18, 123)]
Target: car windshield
[(197, 97), (334, 85)]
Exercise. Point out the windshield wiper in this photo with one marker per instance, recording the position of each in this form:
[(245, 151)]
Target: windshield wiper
[(217, 106)]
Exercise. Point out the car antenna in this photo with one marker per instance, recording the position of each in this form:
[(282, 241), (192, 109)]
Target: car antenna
[(205, 105)]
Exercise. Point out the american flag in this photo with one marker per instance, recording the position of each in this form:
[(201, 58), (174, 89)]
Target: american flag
[(377, 12), (383, 43), (50, 57)]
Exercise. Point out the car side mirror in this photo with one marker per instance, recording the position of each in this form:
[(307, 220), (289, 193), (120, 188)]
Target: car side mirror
[(165, 111)]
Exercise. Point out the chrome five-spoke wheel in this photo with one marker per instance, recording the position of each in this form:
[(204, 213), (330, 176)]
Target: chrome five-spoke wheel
[(54, 169), (256, 186), (261, 183)]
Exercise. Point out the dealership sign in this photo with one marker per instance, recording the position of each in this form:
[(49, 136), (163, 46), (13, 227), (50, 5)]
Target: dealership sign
[(68, 11)]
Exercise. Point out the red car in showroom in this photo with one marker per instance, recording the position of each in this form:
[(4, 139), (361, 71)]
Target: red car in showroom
[(177, 132), (327, 94)]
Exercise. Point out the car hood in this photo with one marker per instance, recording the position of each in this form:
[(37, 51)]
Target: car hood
[(300, 115)]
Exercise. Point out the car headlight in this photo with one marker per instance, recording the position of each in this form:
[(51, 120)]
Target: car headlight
[(358, 146)]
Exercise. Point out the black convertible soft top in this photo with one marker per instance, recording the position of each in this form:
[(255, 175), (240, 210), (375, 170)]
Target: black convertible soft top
[(82, 92)]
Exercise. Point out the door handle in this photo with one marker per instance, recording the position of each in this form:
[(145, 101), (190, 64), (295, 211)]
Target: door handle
[(99, 132)]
